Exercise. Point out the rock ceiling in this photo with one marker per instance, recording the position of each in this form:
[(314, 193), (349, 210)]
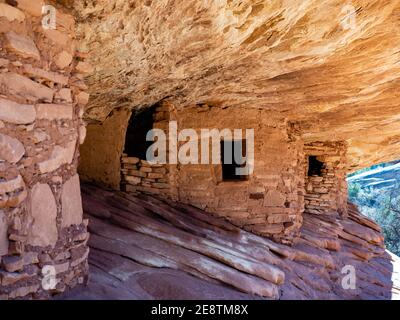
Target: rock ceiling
[(307, 59)]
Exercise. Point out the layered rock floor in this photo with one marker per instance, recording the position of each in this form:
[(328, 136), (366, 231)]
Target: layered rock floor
[(143, 247)]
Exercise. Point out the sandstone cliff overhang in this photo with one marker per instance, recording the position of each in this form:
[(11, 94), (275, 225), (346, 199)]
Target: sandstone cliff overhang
[(336, 74)]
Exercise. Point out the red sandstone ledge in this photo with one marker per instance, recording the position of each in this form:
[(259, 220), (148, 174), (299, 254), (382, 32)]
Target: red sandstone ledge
[(150, 248)]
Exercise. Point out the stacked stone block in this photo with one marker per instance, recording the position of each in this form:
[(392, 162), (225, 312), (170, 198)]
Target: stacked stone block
[(42, 96)]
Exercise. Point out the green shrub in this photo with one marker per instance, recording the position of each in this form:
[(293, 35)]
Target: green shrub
[(382, 206)]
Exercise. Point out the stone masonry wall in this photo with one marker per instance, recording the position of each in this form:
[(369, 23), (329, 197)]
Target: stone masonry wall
[(270, 202), (327, 194), (140, 175), (42, 95)]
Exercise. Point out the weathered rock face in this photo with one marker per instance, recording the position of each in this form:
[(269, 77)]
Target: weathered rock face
[(40, 121), (304, 59)]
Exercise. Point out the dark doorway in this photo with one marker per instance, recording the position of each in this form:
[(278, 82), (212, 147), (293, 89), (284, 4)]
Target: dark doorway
[(139, 125), (315, 166)]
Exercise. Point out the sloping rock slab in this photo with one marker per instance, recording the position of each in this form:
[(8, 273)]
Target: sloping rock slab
[(144, 247)]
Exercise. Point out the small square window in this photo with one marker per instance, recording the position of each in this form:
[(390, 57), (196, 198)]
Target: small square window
[(230, 163)]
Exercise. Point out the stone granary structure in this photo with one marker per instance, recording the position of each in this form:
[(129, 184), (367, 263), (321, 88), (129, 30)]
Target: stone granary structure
[(77, 100)]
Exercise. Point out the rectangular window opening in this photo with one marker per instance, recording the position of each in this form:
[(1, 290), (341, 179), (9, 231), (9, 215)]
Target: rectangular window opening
[(230, 163)]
